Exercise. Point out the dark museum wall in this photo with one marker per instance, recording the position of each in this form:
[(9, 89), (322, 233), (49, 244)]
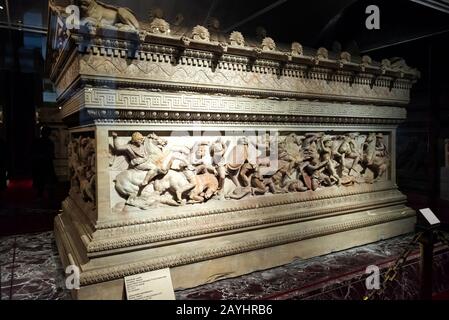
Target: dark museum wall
[(21, 74)]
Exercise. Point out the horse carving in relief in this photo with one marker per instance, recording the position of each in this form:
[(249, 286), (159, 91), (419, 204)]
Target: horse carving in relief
[(130, 183)]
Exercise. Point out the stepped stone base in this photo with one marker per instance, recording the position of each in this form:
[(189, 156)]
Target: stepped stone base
[(196, 254)]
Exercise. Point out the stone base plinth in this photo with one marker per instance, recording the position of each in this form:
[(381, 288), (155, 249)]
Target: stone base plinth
[(261, 237)]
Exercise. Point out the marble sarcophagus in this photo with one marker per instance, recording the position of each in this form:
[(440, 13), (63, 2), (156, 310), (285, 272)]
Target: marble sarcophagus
[(216, 156)]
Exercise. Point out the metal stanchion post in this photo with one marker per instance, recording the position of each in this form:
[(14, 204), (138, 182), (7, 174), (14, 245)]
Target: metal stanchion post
[(429, 223), (426, 232), (426, 264)]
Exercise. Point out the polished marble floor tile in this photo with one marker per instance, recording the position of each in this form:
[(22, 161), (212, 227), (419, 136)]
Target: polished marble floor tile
[(31, 269), (36, 272)]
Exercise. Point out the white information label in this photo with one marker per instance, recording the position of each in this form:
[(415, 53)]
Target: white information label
[(430, 216), (154, 285)]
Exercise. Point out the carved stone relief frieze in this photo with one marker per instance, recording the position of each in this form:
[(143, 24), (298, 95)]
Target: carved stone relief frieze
[(232, 77), (71, 73), (150, 170), (82, 168)]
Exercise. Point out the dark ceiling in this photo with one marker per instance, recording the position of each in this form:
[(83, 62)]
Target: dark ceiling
[(334, 24), (313, 23), (283, 19)]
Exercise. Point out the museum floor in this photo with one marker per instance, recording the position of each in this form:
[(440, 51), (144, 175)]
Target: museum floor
[(30, 269)]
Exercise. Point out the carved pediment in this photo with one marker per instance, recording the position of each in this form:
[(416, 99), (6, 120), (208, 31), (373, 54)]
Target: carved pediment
[(154, 45)]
